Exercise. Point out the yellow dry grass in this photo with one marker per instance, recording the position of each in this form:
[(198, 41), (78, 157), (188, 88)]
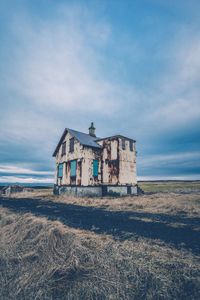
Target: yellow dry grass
[(45, 259), (171, 203)]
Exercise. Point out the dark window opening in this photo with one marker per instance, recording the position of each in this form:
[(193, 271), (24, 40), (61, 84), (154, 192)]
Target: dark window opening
[(71, 145), (64, 148), (123, 144), (131, 146), (129, 190)]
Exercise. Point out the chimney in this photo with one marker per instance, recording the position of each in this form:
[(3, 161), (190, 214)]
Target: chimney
[(92, 130)]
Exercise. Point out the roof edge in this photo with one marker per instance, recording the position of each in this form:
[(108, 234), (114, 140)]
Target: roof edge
[(116, 136), (96, 140), (63, 135), (59, 143)]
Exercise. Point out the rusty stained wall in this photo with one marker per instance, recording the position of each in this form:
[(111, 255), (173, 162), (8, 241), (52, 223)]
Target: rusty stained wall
[(127, 164), (84, 171), (110, 161), (118, 165)]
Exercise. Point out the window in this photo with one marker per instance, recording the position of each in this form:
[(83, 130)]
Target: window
[(64, 148), (95, 167), (60, 170), (131, 146), (123, 144), (73, 168), (71, 145)]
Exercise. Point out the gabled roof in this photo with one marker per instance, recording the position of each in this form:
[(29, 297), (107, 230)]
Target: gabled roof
[(114, 137), (84, 139)]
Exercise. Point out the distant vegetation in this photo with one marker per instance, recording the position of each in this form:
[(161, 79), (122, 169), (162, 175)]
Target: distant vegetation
[(169, 186)]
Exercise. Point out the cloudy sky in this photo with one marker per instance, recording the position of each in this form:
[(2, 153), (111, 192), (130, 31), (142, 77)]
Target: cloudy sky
[(132, 67)]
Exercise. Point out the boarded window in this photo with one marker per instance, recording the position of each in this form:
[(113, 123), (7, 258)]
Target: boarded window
[(71, 145), (60, 170), (73, 168), (95, 167), (64, 148), (123, 144), (131, 146)]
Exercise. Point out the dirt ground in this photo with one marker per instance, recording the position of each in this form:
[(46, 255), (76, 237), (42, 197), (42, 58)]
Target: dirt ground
[(141, 247)]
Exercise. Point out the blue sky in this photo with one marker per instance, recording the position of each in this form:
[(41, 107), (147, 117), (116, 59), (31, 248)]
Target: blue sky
[(132, 67)]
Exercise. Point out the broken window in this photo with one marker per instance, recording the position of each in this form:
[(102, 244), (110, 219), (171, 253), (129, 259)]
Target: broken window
[(73, 168), (60, 170), (131, 146), (64, 148), (123, 144), (71, 145), (95, 167)]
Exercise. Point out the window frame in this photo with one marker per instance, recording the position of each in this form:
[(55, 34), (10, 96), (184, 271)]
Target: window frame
[(60, 165), (72, 175), (71, 145), (63, 151), (131, 146), (95, 170), (123, 144)]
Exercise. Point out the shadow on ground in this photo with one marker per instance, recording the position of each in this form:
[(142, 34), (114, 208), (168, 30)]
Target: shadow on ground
[(177, 230)]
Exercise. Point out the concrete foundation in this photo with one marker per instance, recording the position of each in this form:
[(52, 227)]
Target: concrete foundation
[(96, 191)]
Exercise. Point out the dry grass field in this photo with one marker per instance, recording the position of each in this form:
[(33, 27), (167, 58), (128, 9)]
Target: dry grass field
[(144, 247)]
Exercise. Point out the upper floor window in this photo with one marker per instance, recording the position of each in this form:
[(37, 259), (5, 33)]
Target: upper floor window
[(95, 167), (71, 145), (63, 148), (60, 170), (123, 144), (131, 146)]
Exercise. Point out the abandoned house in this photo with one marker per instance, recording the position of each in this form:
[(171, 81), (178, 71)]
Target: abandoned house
[(87, 165)]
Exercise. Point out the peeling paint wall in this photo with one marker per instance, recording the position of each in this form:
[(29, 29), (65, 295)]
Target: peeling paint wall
[(127, 164), (117, 166), (84, 157), (110, 161)]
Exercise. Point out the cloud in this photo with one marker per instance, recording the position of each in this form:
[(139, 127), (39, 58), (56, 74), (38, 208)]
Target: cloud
[(53, 76), (15, 179), (68, 65), (23, 171), (58, 63), (178, 112), (166, 166), (174, 100), (181, 157)]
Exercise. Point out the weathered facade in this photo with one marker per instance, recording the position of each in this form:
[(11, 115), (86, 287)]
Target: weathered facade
[(87, 165)]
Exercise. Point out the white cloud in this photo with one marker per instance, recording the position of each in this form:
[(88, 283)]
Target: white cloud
[(19, 170), (58, 74), (176, 100), (189, 59), (177, 112), (152, 160), (15, 179), (59, 64)]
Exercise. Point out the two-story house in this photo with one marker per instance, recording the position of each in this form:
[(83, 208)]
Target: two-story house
[(87, 165)]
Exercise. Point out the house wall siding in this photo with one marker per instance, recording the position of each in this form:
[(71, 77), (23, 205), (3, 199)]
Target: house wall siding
[(110, 161), (127, 164), (116, 166), (84, 157)]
